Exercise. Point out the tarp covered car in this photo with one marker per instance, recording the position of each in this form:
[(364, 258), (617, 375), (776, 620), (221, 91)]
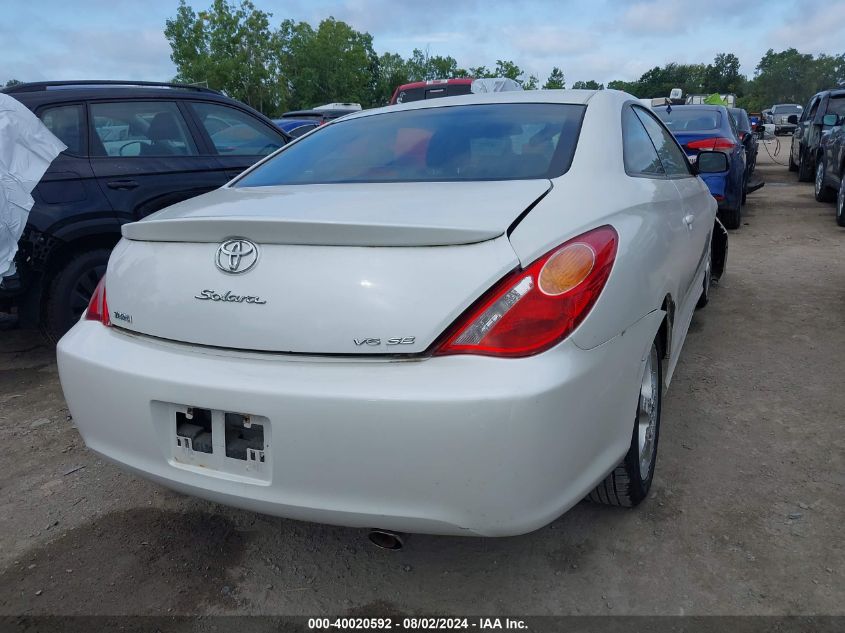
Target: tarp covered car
[(27, 148)]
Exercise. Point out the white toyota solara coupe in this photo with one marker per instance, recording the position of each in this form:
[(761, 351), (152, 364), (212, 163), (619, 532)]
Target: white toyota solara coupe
[(454, 316)]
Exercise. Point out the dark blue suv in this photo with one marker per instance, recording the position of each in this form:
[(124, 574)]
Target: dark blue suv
[(132, 148)]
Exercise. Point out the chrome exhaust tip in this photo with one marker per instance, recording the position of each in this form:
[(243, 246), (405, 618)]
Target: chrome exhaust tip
[(385, 539)]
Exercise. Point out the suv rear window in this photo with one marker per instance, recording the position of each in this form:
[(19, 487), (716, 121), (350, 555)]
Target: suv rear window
[(457, 143), (684, 118)]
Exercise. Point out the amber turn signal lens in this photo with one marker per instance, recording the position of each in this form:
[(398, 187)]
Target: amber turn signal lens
[(566, 269)]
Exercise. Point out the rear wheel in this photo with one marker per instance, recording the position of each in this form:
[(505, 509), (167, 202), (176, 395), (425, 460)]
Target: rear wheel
[(805, 169), (628, 484), (792, 165), (70, 291), (840, 202), (704, 298), (822, 191)]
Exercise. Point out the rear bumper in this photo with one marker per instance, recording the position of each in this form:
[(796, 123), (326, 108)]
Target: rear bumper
[(452, 445)]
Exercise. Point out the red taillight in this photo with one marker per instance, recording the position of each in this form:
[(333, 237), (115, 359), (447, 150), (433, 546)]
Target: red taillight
[(534, 308), (712, 143), (98, 309)]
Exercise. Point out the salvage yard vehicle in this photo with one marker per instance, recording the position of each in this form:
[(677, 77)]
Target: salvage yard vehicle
[(431, 89), (747, 136), (821, 114), (779, 117), (830, 173), (710, 127), (132, 148), (316, 340)]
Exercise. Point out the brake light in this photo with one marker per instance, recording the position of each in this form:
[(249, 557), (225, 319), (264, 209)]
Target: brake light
[(712, 143), (534, 308), (98, 309)]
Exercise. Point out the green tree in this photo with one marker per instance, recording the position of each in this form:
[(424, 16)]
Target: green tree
[(422, 66), (332, 63), (723, 75), (532, 83), (392, 71), (556, 80), (480, 72), (229, 48), (13, 82), (592, 84), (508, 69)]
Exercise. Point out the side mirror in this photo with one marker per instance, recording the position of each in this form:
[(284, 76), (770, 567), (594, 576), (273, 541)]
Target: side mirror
[(712, 162), (830, 120), (793, 119)]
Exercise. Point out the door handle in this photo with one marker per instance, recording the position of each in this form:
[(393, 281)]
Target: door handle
[(122, 184), (689, 219)]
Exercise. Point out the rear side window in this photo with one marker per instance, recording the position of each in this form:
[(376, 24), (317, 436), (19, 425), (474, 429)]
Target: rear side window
[(638, 151), (685, 118), (508, 141), (140, 128), (836, 105), (67, 123), (235, 133), (672, 157)]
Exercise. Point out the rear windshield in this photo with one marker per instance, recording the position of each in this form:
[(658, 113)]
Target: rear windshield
[(740, 119), (787, 109), (457, 143), (684, 118)]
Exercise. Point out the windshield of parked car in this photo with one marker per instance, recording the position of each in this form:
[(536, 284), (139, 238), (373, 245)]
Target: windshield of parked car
[(787, 109), (470, 142), (684, 118)]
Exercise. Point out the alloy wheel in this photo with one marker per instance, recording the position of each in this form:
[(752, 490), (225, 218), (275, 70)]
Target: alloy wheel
[(819, 178), (647, 413), (840, 203), (84, 288)]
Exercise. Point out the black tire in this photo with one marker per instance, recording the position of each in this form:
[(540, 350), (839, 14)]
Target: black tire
[(805, 169), (626, 486), (822, 192), (704, 297), (731, 218), (792, 165), (70, 291), (840, 202)]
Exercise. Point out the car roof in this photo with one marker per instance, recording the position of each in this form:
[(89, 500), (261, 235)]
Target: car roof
[(37, 93)]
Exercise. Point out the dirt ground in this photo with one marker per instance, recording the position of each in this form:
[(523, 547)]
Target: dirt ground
[(746, 515)]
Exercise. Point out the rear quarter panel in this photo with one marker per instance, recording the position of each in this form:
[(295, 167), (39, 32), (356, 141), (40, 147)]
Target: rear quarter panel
[(597, 191)]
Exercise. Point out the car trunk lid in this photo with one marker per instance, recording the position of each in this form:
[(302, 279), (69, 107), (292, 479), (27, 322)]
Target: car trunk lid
[(369, 270)]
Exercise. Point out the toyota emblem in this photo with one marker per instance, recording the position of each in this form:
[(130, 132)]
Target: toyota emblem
[(236, 255)]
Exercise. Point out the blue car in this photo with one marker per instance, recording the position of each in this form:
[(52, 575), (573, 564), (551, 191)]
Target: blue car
[(296, 127), (706, 127)]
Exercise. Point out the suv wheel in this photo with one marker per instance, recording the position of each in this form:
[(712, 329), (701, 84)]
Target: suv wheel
[(792, 165), (822, 191), (71, 290), (840, 202), (805, 173)]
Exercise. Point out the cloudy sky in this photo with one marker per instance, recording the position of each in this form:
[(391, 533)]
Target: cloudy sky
[(589, 39)]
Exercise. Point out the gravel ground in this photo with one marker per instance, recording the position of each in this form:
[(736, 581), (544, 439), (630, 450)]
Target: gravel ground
[(745, 516)]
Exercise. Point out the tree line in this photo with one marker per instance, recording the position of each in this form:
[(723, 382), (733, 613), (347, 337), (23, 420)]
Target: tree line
[(293, 66), (235, 48)]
